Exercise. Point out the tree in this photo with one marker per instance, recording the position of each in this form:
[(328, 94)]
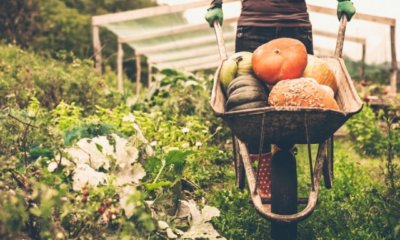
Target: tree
[(96, 7), (20, 21), (54, 25)]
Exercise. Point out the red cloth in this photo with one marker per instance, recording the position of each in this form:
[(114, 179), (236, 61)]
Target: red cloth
[(263, 174)]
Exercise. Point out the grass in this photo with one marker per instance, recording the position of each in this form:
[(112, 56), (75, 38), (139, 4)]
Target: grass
[(354, 178)]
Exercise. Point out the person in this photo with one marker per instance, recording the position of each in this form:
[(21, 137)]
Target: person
[(261, 21)]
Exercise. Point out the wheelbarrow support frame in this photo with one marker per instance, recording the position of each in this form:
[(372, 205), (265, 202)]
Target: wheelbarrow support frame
[(265, 209)]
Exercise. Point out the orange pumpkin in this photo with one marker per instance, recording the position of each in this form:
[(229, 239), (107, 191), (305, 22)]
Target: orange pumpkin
[(319, 70), (301, 92), (279, 59)]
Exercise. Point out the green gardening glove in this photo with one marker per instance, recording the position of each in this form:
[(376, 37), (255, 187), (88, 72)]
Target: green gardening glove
[(347, 8), (214, 14)]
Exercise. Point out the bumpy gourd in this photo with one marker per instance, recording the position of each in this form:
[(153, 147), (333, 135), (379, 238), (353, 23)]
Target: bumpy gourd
[(302, 92)]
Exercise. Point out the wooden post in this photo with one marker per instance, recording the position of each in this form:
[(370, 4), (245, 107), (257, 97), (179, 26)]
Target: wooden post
[(97, 48), (393, 72), (362, 71), (149, 74), (120, 59), (138, 73)]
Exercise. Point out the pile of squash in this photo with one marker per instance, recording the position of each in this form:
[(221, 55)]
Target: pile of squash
[(277, 73)]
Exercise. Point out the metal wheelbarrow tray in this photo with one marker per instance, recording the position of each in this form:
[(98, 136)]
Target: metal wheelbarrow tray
[(290, 125)]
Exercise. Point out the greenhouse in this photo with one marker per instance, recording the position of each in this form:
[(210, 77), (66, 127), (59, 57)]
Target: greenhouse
[(170, 36)]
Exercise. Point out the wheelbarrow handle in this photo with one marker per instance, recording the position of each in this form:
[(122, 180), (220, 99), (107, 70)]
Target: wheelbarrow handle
[(340, 37), (220, 40)]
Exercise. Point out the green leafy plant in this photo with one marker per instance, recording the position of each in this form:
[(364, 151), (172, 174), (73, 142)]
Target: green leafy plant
[(24, 75), (95, 168), (365, 130)]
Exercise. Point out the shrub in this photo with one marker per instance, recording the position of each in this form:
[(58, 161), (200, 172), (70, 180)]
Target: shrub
[(24, 75), (368, 137), (376, 74), (370, 132), (37, 194)]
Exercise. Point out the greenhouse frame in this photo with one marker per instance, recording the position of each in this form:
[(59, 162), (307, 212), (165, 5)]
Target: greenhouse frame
[(167, 40)]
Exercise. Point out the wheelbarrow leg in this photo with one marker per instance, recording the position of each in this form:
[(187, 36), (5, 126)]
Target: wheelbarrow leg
[(239, 168), (284, 193), (328, 164)]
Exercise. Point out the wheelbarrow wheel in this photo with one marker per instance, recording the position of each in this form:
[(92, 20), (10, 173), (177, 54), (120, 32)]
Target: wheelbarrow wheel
[(283, 193), (239, 167)]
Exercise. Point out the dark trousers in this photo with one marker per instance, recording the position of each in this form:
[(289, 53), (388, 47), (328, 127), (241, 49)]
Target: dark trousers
[(248, 38)]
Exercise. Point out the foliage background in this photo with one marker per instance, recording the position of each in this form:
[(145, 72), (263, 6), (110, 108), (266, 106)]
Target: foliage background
[(192, 160), (50, 98)]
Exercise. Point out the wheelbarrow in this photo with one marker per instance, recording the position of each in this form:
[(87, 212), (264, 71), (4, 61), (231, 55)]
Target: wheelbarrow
[(285, 127)]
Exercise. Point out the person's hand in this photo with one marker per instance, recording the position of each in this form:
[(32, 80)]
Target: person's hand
[(345, 7), (214, 14)]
